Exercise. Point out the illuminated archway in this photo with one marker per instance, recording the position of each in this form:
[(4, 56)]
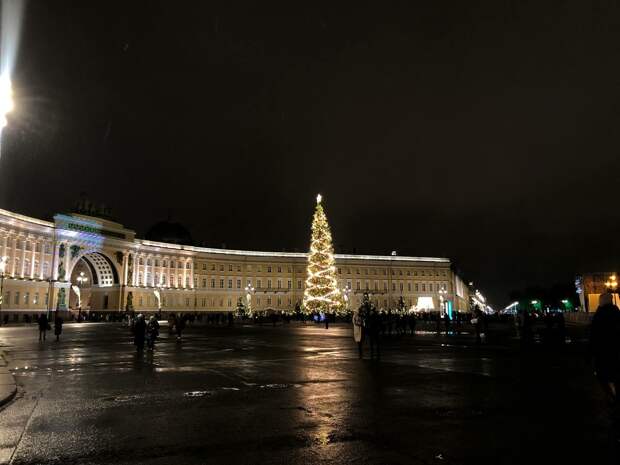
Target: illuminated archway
[(93, 276)]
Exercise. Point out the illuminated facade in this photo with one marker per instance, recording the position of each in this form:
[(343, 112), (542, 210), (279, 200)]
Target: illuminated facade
[(123, 272)]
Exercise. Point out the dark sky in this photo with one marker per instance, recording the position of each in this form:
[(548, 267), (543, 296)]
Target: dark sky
[(482, 131)]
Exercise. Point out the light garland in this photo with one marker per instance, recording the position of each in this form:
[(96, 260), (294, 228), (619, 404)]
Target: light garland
[(321, 293)]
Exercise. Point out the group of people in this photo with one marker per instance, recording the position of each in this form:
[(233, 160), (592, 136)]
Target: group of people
[(367, 324), (144, 331), (44, 326)]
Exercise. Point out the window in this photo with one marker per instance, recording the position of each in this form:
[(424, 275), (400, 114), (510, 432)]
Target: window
[(187, 301), (171, 263), (163, 279), (238, 267), (400, 272), (229, 302), (279, 301), (269, 269), (213, 283), (409, 287), (288, 269), (357, 271), (358, 285), (423, 287), (279, 283), (393, 286), (416, 287), (48, 249), (141, 301), (156, 262), (213, 267), (35, 301), (366, 285), (366, 271), (229, 267), (299, 284), (415, 273), (384, 285), (408, 273), (339, 270), (401, 287), (422, 272), (204, 302), (47, 298), (204, 282), (230, 284), (221, 267), (279, 269), (290, 283), (221, 284), (188, 265), (268, 300), (16, 301), (376, 286), (259, 283), (7, 299), (204, 267), (269, 284), (238, 284)]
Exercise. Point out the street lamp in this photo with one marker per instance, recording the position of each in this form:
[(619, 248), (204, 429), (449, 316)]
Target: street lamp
[(81, 279), (3, 262), (442, 305), (611, 284), (249, 290)]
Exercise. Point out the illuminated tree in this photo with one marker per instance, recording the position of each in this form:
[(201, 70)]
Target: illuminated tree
[(322, 293)]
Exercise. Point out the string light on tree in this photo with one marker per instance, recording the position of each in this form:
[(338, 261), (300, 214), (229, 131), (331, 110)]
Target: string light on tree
[(322, 293)]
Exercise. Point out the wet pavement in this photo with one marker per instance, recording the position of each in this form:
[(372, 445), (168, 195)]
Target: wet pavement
[(296, 394)]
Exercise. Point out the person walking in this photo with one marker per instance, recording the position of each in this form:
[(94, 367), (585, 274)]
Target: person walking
[(139, 329), (152, 331), (358, 331), (58, 327), (180, 325), (374, 329), (44, 326), (604, 348)]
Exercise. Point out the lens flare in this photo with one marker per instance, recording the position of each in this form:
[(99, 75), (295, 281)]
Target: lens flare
[(11, 24)]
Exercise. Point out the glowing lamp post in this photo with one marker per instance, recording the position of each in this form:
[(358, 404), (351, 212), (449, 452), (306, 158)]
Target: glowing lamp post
[(611, 284), (442, 301), (81, 279), (3, 262), (249, 290)]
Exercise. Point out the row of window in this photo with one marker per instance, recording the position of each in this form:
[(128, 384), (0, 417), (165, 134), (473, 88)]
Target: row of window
[(279, 269), (18, 296), (27, 246)]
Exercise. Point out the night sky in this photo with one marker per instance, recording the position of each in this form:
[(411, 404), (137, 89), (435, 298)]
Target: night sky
[(487, 133)]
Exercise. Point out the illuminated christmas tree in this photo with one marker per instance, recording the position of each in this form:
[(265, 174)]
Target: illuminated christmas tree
[(322, 293)]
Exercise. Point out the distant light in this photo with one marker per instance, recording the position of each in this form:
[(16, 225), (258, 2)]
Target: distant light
[(534, 302), (319, 198)]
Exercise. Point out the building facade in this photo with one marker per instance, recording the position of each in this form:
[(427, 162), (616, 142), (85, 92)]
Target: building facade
[(118, 272), (590, 286)]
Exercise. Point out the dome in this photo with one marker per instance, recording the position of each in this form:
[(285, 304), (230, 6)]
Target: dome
[(173, 233)]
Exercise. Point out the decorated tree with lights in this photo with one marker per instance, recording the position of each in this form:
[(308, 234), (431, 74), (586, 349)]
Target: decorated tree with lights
[(322, 293)]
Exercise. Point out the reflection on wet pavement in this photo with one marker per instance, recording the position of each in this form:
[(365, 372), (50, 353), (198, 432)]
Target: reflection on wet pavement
[(296, 394)]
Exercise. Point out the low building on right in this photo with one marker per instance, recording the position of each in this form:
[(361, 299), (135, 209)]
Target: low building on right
[(590, 286)]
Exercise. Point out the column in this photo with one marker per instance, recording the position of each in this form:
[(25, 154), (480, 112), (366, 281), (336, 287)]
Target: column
[(135, 270), (67, 253), (22, 265), (125, 268), (5, 242), (152, 283), (14, 255), (43, 259), (184, 273), (191, 273), (32, 259)]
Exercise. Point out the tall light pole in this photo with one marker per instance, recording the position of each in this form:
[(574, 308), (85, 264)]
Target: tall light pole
[(442, 293), (81, 279), (249, 290), (3, 262)]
